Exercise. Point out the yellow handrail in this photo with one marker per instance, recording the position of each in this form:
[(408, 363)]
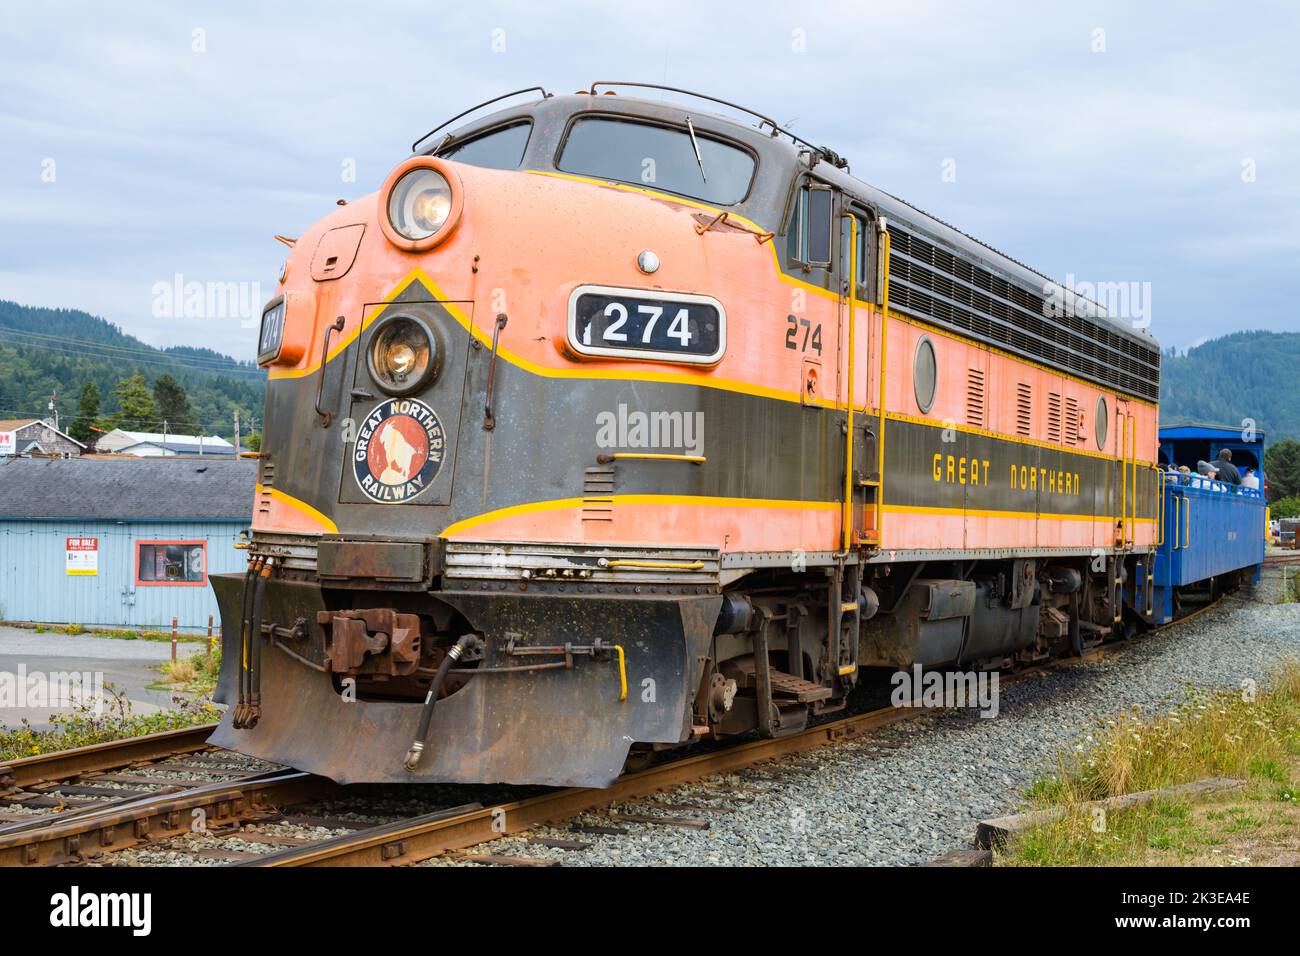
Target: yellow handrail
[(1122, 455), (884, 353), (1187, 525), (1133, 455), (1178, 511), (847, 514), (647, 456)]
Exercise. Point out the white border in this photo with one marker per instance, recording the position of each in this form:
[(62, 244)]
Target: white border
[(646, 295)]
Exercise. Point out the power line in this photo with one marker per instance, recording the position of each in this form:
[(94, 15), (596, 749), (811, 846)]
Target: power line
[(79, 347), (141, 349)]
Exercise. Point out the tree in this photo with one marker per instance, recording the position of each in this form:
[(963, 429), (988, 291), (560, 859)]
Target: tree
[(137, 410), (1285, 508), (1282, 468), (173, 404), (87, 420), (253, 441)]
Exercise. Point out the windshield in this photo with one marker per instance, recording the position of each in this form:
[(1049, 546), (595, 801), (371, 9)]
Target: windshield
[(499, 149), (660, 157)]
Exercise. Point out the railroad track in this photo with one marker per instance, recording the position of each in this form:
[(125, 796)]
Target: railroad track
[(263, 806), (1281, 559)]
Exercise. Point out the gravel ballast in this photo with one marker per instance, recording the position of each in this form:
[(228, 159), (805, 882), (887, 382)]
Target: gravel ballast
[(910, 792)]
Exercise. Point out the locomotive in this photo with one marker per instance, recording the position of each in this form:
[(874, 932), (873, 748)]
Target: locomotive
[(610, 424)]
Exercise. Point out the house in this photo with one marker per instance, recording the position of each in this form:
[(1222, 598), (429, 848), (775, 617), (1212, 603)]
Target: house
[(122, 543), (35, 436), (154, 445)]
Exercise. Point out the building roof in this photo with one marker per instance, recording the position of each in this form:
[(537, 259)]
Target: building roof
[(173, 438), (187, 447), (17, 424), (140, 489)]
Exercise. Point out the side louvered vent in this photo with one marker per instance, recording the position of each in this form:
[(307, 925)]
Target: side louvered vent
[(1024, 409), (1071, 422), (949, 290), (265, 478), (1053, 416), (975, 397), (598, 493)]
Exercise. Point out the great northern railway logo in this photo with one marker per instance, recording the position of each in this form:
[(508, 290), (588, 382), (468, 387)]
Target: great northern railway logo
[(399, 450)]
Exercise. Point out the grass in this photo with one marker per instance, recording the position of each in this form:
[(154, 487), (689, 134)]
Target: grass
[(1210, 734), (114, 721), (196, 674), (120, 633)]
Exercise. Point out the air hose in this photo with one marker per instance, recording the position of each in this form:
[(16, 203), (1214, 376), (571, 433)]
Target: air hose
[(426, 713)]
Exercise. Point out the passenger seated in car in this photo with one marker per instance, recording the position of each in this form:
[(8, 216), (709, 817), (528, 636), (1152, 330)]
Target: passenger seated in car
[(1250, 479), (1227, 470)]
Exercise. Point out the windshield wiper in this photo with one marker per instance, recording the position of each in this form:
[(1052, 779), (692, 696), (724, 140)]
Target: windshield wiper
[(690, 127)]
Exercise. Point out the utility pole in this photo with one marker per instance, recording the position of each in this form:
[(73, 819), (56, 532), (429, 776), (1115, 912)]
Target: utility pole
[(53, 406), (236, 433)]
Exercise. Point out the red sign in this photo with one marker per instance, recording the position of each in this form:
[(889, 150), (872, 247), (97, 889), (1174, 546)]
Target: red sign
[(83, 544)]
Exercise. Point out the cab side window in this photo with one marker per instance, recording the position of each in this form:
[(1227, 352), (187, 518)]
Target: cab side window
[(810, 231)]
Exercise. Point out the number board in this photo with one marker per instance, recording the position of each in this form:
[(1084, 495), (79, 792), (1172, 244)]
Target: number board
[(268, 344), (660, 326)]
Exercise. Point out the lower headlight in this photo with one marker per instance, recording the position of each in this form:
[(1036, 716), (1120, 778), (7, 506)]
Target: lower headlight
[(404, 355)]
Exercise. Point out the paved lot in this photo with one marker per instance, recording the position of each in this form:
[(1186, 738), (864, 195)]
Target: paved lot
[(128, 665)]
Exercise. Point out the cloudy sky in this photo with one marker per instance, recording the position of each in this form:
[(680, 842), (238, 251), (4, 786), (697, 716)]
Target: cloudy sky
[(1112, 142)]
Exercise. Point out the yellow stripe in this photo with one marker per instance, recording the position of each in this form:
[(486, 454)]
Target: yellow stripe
[(708, 501), (978, 513), (299, 506), (1034, 442)]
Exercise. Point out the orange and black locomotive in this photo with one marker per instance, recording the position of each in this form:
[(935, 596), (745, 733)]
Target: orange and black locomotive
[(610, 424)]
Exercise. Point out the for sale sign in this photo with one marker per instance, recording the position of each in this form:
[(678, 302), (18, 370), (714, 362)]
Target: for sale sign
[(8, 442), (82, 556)]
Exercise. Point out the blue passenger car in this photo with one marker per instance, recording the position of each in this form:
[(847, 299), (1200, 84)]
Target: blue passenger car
[(1210, 530)]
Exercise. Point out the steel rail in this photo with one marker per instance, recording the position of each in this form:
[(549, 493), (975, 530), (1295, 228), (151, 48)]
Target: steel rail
[(62, 764), (157, 816)]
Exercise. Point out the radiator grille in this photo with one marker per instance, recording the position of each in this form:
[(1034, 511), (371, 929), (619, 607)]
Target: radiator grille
[(975, 397), (1024, 409), (1072, 432), (1053, 416), (933, 284)]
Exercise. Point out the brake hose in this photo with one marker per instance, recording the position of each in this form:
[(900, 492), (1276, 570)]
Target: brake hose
[(426, 713)]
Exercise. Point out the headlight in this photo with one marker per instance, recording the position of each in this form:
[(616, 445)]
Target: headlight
[(421, 204), (404, 355)]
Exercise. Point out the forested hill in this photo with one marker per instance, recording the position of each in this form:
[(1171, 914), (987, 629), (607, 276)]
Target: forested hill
[(44, 351), (1244, 375), (1252, 375)]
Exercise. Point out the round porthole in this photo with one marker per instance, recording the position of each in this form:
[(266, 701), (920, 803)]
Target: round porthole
[(924, 374), (1102, 422)]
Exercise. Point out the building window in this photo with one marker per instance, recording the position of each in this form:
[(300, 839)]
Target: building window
[(171, 563)]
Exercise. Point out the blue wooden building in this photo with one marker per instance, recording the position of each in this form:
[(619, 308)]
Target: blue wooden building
[(119, 543)]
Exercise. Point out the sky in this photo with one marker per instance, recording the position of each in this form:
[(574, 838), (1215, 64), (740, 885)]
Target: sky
[(1147, 146)]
